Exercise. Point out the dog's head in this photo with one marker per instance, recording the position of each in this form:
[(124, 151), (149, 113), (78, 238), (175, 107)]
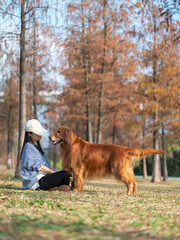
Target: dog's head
[(62, 135)]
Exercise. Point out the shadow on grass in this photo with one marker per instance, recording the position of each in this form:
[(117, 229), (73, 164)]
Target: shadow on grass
[(8, 177), (11, 187), (27, 227), (105, 185)]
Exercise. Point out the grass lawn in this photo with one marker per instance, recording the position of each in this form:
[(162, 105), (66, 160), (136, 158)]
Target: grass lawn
[(102, 211)]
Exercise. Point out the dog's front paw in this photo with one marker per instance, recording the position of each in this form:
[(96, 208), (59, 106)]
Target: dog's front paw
[(75, 190)]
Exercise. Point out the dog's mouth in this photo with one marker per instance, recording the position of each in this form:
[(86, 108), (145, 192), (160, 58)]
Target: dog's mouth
[(57, 142)]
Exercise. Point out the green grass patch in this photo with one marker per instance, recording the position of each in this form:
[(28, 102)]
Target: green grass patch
[(102, 211)]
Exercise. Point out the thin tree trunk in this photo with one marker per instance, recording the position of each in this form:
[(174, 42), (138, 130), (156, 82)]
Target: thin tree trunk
[(34, 67), (86, 73), (114, 130), (114, 133), (88, 112), (22, 94), (144, 168), (156, 175), (90, 137), (100, 108), (165, 172), (94, 122), (144, 159), (9, 148), (101, 93)]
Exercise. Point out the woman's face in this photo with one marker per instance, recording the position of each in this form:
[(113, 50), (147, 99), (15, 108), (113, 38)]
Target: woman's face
[(35, 137)]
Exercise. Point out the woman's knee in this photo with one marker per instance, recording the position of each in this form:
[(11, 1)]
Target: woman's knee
[(65, 174), (66, 177)]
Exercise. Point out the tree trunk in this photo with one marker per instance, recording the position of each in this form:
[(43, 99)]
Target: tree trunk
[(9, 141), (165, 172), (114, 130), (144, 159), (9, 148), (22, 94), (144, 168), (86, 73), (100, 108), (89, 116), (101, 93), (34, 67), (114, 133), (89, 125), (156, 174)]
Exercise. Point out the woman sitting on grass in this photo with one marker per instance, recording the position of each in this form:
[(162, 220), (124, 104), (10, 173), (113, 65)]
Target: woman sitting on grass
[(35, 167)]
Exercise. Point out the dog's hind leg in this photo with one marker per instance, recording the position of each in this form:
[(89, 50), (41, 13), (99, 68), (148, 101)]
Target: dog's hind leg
[(130, 182), (129, 179), (129, 185), (132, 177), (134, 187), (127, 176)]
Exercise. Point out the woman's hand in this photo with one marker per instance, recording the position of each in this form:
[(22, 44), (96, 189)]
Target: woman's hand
[(71, 179)]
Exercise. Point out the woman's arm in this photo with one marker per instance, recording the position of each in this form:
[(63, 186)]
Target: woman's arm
[(46, 170)]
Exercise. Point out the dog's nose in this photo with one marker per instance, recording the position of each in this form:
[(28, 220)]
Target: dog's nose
[(49, 137)]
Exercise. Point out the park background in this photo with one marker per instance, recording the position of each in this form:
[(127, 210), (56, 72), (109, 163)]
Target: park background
[(107, 69)]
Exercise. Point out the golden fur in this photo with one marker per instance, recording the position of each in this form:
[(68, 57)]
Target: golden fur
[(85, 159)]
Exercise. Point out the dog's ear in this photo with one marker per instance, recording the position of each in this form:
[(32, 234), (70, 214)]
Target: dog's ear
[(69, 136)]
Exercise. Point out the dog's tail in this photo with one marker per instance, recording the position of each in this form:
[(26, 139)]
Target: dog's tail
[(141, 153)]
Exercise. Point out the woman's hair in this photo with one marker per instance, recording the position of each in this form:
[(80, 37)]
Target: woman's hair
[(27, 139)]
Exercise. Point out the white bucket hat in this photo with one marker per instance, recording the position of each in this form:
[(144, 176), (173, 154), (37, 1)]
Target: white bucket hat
[(34, 126)]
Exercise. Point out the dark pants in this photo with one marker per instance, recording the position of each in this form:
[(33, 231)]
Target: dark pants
[(54, 180)]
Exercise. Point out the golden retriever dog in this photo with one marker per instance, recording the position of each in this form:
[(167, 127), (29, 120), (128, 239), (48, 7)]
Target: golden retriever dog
[(84, 159)]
